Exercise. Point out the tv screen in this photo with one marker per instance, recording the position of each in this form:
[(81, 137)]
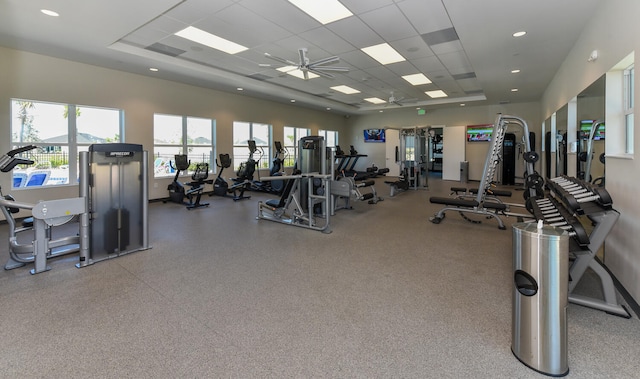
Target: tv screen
[(585, 129), (479, 133), (374, 135)]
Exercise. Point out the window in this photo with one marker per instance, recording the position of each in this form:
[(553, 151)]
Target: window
[(174, 135), (330, 137), (291, 138), (48, 126), (628, 99), (243, 132)]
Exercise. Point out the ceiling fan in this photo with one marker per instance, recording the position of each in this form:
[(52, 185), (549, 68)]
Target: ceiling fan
[(318, 67), (400, 101)]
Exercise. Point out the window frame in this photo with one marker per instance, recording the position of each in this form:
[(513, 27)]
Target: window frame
[(183, 145), (292, 150), (325, 133), (61, 175), (628, 107), (261, 162)]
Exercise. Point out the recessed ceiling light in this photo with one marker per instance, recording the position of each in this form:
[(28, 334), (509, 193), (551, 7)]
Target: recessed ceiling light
[(325, 11), (293, 71), (328, 108), (49, 12), (205, 38), (292, 100), (436, 93), (375, 100), (416, 79), (519, 34), (153, 69), (462, 104), (345, 89), (383, 53), (515, 71), (240, 89), (514, 90), (380, 111)]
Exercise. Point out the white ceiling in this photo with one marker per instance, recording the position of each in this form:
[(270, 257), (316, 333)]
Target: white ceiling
[(465, 47)]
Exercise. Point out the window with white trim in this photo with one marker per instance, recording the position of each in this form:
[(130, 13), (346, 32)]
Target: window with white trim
[(243, 132), (330, 137), (291, 138), (174, 135), (59, 131)]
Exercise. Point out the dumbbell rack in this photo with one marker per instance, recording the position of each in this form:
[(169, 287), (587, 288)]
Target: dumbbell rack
[(568, 199)]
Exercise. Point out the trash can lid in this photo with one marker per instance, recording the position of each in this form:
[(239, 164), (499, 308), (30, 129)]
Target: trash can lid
[(547, 230)]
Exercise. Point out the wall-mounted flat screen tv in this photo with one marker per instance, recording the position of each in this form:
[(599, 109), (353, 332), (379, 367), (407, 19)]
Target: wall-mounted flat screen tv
[(585, 129), (479, 133), (374, 135)]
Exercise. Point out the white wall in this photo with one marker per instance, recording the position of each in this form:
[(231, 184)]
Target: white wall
[(615, 33), (37, 77)]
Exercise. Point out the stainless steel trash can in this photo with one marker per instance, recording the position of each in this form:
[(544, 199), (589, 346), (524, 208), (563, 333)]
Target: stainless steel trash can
[(464, 171), (540, 297)]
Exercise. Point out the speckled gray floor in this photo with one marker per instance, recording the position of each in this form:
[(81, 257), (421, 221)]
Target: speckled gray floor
[(222, 295)]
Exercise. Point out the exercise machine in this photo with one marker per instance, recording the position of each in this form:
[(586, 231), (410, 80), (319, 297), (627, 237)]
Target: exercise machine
[(200, 179), (45, 215), (412, 156), (306, 198), (177, 192), (112, 209), (483, 204), (272, 186)]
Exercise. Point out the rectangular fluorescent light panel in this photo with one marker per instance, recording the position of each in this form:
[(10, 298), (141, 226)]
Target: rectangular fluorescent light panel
[(294, 71), (417, 79), (205, 38), (325, 11), (437, 93), (345, 89), (375, 100), (383, 53)]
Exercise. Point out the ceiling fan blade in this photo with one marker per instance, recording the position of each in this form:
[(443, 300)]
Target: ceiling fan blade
[(306, 74), (281, 60), (321, 73), (324, 61), (329, 68)]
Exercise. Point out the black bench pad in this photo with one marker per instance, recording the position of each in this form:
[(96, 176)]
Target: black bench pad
[(494, 192), (454, 202)]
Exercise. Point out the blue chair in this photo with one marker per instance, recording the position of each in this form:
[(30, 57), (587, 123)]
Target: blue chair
[(19, 179), (38, 178)]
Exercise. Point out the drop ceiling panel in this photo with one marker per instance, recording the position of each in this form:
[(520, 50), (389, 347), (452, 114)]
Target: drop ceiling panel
[(413, 48), (191, 11), (359, 6), (447, 47), (324, 37), (389, 22), (426, 15), (252, 31), (356, 32), (281, 13), (428, 65)]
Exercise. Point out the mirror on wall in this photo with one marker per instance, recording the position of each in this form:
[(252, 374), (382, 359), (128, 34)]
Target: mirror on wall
[(548, 156), (560, 140), (591, 133)]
